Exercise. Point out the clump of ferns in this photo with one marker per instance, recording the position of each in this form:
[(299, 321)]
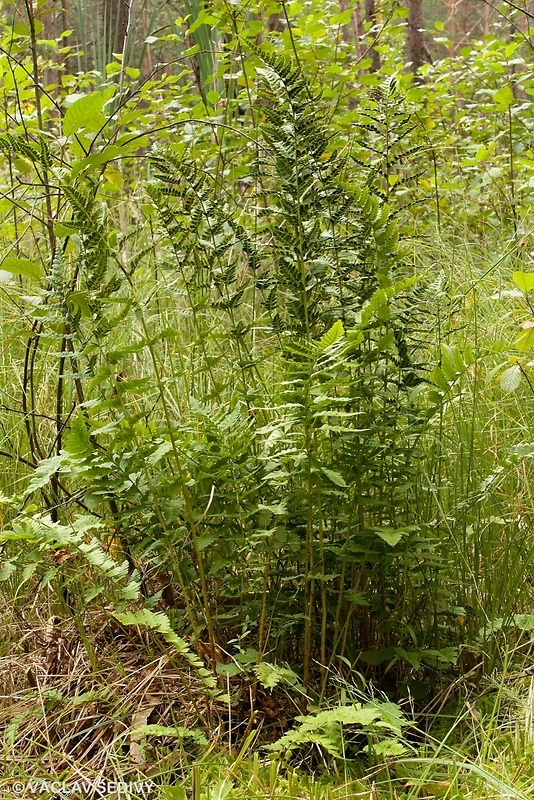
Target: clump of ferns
[(338, 292), (325, 244), (330, 241)]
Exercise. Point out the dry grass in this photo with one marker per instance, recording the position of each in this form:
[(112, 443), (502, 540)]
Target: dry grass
[(64, 716)]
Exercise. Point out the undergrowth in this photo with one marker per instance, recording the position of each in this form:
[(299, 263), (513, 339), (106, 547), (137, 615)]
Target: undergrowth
[(267, 452)]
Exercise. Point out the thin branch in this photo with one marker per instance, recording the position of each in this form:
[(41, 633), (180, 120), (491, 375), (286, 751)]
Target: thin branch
[(516, 28), (518, 8), (21, 459)]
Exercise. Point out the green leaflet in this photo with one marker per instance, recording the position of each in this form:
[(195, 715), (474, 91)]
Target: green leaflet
[(23, 267), (86, 112)]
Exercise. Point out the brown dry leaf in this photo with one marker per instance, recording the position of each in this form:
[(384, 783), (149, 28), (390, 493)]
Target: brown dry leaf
[(30, 677), (60, 556), (137, 749), (137, 744), (205, 651)]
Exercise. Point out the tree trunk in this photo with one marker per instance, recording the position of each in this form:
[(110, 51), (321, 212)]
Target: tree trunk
[(64, 15), (276, 22), (488, 12), (116, 19), (356, 22), (370, 16), (146, 31), (352, 32), (464, 24), (451, 28), (53, 17), (417, 50)]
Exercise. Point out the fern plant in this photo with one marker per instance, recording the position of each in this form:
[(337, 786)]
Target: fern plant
[(336, 420), (348, 416)]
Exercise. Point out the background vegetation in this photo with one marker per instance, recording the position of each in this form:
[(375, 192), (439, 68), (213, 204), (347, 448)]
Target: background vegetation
[(266, 397)]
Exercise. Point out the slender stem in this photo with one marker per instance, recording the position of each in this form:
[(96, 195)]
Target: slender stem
[(512, 168)]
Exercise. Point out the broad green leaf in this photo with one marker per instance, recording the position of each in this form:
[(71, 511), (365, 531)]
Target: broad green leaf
[(162, 449), (524, 450), (413, 657), (510, 49), (22, 266), (356, 597), (228, 670), (511, 378), (438, 378), (526, 340), (504, 97), (447, 655), (173, 793), (20, 29), (7, 570), (270, 675), (524, 280), (93, 592), (62, 231), (387, 747), (78, 440), (28, 570), (113, 68), (96, 160), (221, 790), (278, 509), (86, 112), (204, 18), (387, 342), (339, 19), (379, 656), (80, 302), (114, 177), (205, 540), (249, 656)]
